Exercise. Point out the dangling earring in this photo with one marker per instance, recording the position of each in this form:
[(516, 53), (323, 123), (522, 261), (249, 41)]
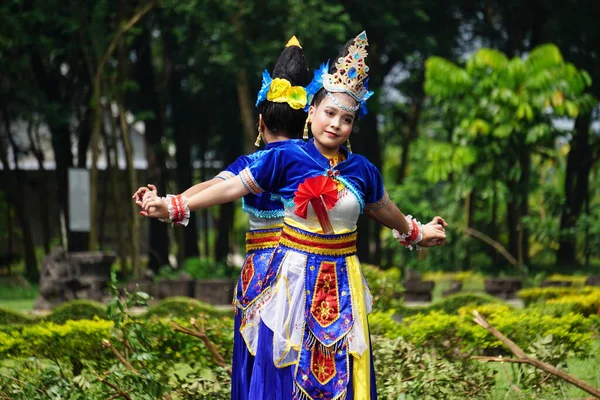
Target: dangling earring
[(257, 143), (348, 145), (305, 135)]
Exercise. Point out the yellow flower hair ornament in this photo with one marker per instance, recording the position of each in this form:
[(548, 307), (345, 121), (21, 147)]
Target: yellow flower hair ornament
[(281, 91)]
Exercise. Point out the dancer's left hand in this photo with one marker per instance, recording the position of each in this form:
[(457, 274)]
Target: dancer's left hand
[(437, 238)]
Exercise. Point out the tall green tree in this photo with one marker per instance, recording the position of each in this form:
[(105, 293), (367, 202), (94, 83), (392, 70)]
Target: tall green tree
[(506, 109)]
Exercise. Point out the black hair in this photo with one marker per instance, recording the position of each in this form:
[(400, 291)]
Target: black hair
[(343, 53), (280, 117)]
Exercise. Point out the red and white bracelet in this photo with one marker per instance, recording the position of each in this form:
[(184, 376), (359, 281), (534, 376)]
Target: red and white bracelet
[(413, 236), (179, 211)]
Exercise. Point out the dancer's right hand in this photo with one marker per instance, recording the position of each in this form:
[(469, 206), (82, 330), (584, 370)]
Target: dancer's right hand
[(145, 193)]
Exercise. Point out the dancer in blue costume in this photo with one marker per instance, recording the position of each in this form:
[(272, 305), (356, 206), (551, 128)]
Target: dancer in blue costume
[(313, 338), (281, 117)]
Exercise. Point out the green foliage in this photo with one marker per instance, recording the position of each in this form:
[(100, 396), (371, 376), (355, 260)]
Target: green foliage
[(533, 295), (452, 304), (8, 317), (77, 310), (78, 340), (586, 304), (449, 333), (405, 370), (182, 308), (385, 286)]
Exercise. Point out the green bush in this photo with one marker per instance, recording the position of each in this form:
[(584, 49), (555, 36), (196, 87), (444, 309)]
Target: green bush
[(586, 304), (76, 310), (451, 333), (406, 371), (385, 285), (75, 339), (533, 295), (8, 317), (183, 308), (451, 304)]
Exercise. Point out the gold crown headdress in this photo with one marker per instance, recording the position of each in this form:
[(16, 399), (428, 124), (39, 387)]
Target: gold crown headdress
[(351, 75)]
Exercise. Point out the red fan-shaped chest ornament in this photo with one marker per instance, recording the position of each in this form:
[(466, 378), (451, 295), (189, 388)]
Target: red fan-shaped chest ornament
[(322, 193)]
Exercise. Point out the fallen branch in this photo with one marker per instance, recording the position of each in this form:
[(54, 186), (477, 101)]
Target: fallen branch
[(117, 354), (201, 334), (523, 358)]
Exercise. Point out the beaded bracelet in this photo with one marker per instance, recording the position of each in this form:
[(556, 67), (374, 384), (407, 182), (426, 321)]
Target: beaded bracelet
[(413, 236)]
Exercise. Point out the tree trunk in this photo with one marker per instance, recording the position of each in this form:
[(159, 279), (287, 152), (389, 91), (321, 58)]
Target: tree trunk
[(182, 140), (132, 216), (83, 142), (97, 114), (525, 161), (414, 116), (244, 94), (512, 219), (112, 169), (61, 145), (134, 244), (148, 100), (16, 196), (469, 209), (39, 156), (579, 164)]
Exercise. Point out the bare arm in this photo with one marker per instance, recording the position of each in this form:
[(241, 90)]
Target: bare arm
[(390, 215), (219, 193), (201, 186), (223, 192)]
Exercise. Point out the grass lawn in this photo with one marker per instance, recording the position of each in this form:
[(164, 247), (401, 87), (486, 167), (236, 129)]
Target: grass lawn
[(587, 370), (17, 298), (24, 305)]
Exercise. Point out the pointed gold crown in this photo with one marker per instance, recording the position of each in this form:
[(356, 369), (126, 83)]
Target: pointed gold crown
[(351, 71)]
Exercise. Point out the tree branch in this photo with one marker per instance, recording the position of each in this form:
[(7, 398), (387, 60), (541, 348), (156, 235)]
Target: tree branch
[(494, 244), (117, 354), (120, 393), (201, 334), (525, 359)]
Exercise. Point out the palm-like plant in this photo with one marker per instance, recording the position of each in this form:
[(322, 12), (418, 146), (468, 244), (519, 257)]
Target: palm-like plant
[(502, 110)]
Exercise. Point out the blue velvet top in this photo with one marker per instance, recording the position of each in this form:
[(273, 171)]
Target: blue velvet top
[(282, 169), (260, 205)]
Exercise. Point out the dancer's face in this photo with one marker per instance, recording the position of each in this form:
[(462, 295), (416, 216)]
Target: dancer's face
[(331, 125)]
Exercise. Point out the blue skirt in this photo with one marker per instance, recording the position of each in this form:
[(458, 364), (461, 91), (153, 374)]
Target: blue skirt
[(242, 364), (271, 383)]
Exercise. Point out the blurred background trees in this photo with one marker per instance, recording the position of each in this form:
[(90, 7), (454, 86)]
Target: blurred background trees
[(485, 112)]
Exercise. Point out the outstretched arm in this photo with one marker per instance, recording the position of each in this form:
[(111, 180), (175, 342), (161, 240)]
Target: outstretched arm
[(150, 192), (201, 186), (390, 215), (222, 192)]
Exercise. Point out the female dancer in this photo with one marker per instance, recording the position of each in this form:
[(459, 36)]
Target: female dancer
[(281, 118), (313, 341)]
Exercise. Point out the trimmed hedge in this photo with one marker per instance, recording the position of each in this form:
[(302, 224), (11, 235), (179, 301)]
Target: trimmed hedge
[(586, 304), (450, 305), (75, 339), (183, 308), (76, 310), (9, 317), (534, 295)]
